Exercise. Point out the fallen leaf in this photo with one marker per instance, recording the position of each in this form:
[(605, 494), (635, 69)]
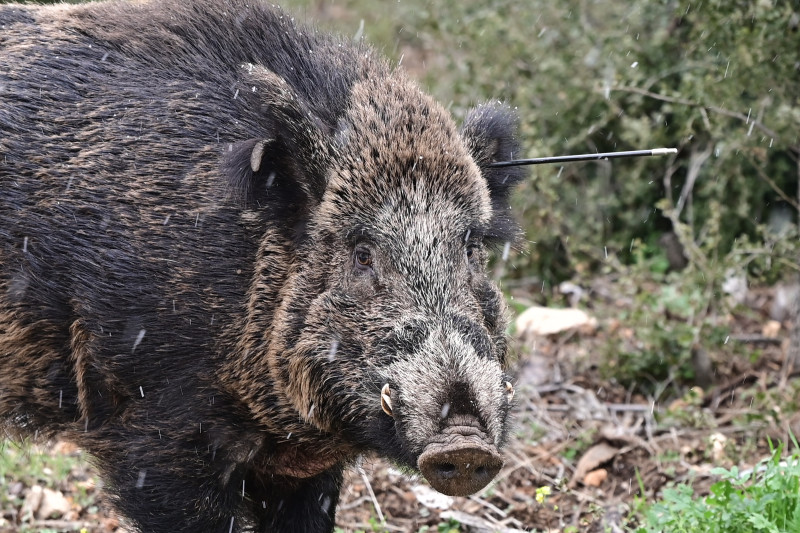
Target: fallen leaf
[(677, 405), (595, 478), (477, 523), (718, 441), (64, 448), (33, 499), (593, 458)]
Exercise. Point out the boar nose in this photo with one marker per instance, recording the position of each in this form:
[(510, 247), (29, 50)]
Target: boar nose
[(461, 466)]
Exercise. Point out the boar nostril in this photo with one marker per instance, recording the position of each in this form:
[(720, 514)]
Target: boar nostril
[(446, 470)]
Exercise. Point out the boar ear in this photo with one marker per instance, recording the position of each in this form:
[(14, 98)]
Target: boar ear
[(490, 133), (287, 162), (260, 172)]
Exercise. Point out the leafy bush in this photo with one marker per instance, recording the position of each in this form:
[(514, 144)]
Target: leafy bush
[(663, 341)]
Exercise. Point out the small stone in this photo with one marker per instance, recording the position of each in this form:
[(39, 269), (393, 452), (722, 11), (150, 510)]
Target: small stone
[(54, 505), (544, 321), (771, 329), (33, 499)]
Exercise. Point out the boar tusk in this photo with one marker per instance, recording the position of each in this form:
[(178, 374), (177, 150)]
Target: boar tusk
[(509, 391), (386, 400)]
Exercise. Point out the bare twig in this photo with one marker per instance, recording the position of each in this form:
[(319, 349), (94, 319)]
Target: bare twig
[(489, 506), (355, 503), (793, 351), (764, 177), (756, 339), (355, 526), (696, 161), (685, 237), (477, 522), (60, 524), (371, 494), (719, 110)]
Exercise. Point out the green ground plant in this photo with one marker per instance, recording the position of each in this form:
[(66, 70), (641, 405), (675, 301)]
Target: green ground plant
[(25, 462), (767, 498), (677, 316)]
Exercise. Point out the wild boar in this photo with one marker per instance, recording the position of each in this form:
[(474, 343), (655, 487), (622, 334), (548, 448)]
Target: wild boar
[(237, 254)]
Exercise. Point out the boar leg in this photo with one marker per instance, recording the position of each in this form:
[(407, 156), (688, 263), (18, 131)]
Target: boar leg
[(307, 505), (169, 485)]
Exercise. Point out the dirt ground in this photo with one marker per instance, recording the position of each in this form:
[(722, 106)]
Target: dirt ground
[(590, 442)]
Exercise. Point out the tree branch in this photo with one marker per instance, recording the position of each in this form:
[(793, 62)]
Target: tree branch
[(774, 186), (719, 110), (696, 160)]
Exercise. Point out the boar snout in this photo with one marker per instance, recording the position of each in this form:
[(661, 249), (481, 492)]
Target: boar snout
[(460, 461), (449, 400)]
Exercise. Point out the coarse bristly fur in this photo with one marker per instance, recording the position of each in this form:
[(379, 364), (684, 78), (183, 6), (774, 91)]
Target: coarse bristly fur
[(221, 234)]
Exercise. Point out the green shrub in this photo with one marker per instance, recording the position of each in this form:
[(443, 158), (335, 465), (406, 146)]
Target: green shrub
[(766, 499)]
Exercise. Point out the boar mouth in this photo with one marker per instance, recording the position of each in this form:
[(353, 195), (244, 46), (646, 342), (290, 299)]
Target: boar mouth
[(459, 462)]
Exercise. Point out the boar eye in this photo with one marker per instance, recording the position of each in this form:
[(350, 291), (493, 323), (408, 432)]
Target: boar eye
[(471, 251), (363, 259)]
